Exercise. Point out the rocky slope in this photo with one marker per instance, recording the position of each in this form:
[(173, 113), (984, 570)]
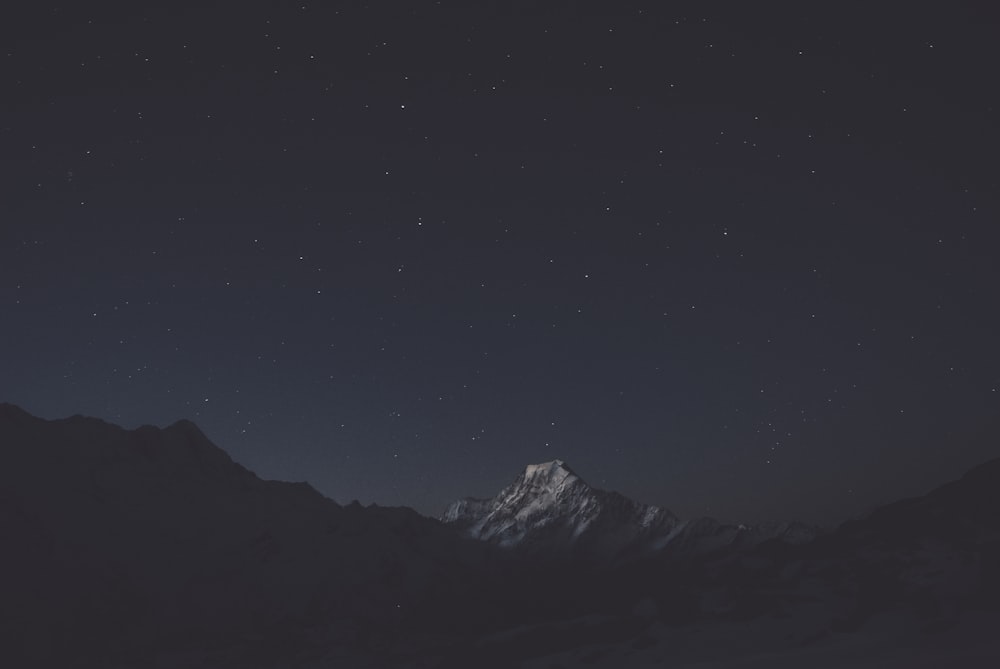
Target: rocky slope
[(549, 509)]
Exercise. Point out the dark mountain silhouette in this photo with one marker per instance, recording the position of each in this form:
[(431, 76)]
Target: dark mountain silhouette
[(911, 584), (119, 541), (152, 548)]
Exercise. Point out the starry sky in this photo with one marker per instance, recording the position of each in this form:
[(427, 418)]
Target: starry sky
[(736, 259)]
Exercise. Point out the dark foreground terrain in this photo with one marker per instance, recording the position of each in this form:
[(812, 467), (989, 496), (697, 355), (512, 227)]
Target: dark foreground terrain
[(152, 548)]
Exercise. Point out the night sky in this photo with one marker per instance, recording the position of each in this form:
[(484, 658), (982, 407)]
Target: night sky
[(738, 260)]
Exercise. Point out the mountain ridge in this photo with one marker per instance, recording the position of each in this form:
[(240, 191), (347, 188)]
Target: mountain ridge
[(152, 547), (125, 540), (549, 508)]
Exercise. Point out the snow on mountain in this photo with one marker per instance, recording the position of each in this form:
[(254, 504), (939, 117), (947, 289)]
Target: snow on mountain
[(151, 547), (548, 505), (911, 584), (549, 508)]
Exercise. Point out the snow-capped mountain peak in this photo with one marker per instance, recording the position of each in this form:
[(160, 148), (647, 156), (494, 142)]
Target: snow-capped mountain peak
[(548, 473), (549, 506)]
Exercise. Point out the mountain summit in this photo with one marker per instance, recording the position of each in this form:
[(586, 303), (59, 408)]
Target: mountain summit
[(548, 506), (549, 509)]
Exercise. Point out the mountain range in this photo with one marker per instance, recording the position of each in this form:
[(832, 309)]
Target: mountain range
[(549, 510), (118, 541), (152, 548)]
